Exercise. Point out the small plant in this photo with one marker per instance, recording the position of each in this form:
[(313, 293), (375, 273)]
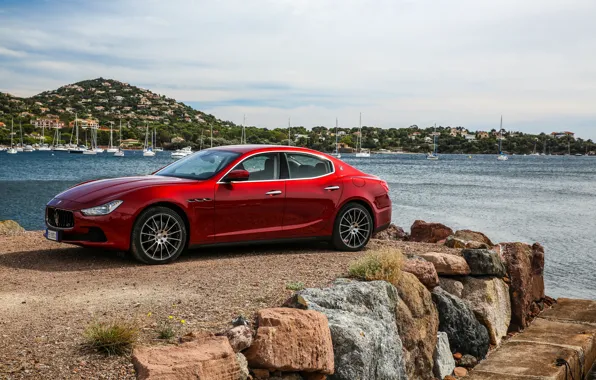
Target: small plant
[(381, 264), (112, 338), (295, 285), (165, 331)]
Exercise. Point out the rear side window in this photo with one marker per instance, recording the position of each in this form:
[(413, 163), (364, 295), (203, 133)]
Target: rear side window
[(262, 167), (307, 166)]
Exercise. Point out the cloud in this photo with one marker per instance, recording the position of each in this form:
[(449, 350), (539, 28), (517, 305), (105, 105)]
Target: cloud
[(400, 62)]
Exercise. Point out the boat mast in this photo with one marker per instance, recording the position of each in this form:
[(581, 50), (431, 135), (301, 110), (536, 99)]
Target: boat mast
[(11, 131), (120, 144), (289, 132), (500, 134), (360, 133), (21, 129), (77, 128), (336, 134), (435, 139), (111, 141)]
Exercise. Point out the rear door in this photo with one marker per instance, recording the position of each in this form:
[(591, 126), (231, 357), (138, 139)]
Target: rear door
[(253, 209), (313, 192)]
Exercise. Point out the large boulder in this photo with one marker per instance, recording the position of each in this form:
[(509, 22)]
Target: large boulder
[(456, 318), (10, 228), (443, 358), (240, 337), (452, 286), (392, 232), (525, 266), (453, 242), (417, 323), (291, 340), (429, 232), (447, 264), (423, 270), (469, 235), (363, 326), (489, 299), (484, 262), (207, 357)]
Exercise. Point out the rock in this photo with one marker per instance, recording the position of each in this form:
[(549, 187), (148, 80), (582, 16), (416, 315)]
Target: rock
[(243, 364), (484, 262), (291, 340), (261, 373), (313, 376), (423, 270), (460, 372), (429, 232), (449, 378), (10, 228), (239, 321), (451, 286), (209, 357), (417, 324), (525, 266), (457, 356), (443, 360), (453, 242), (468, 361), (466, 334), (286, 376), (240, 337), (469, 235), (489, 299), (447, 264), (363, 328), (392, 232)]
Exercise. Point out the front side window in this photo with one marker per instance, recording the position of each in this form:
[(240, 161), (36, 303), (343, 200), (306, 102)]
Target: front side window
[(262, 167), (201, 165), (307, 166)]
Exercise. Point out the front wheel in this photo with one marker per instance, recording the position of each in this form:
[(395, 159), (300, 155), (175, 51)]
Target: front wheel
[(353, 228), (158, 236)]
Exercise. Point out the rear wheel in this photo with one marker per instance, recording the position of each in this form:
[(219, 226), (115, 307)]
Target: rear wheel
[(353, 228), (158, 236)]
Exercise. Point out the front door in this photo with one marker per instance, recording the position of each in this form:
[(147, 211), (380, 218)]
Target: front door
[(252, 209)]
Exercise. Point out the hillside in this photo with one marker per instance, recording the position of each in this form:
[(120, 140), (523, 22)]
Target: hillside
[(106, 101)]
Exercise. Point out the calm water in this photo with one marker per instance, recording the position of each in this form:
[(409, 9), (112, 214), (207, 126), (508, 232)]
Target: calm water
[(548, 199)]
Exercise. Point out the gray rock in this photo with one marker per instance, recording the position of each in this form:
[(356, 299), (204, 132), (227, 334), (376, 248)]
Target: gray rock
[(484, 262), (243, 363), (468, 361), (451, 286), (240, 337), (362, 321), (443, 358), (466, 334)]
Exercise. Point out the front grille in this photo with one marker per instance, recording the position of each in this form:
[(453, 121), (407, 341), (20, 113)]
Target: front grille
[(59, 218)]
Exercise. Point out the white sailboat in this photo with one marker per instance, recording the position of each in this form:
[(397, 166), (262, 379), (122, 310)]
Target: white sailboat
[(120, 152), (20, 146), (28, 148), (502, 156), (433, 156), (111, 148), (43, 146), (148, 151), (336, 153), (361, 153), (94, 145), (12, 149), (76, 148), (89, 151)]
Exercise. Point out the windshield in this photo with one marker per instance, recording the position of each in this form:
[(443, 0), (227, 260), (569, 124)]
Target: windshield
[(201, 165)]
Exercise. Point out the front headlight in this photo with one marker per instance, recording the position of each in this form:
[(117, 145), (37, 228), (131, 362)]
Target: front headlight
[(102, 210)]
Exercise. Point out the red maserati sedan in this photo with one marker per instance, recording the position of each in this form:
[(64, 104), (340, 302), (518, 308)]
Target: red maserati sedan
[(229, 194)]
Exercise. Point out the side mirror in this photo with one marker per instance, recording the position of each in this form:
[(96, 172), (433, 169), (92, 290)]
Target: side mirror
[(237, 176)]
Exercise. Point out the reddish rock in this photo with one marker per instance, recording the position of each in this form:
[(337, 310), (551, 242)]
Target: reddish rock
[(525, 265), (457, 356), (453, 242), (313, 376), (460, 372), (207, 357), (425, 272), (240, 337), (449, 378), (261, 373), (292, 340), (447, 264), (469, 235), (392, 232), (429, 232)]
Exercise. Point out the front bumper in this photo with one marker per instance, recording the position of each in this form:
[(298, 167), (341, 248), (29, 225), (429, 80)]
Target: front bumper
[(110, 231)]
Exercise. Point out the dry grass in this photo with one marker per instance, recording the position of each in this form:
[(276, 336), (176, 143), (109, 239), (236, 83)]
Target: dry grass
[(381, 263), (295, 285), (112, 338)]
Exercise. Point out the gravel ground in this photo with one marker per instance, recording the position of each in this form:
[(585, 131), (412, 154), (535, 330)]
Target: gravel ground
[(50, 292)]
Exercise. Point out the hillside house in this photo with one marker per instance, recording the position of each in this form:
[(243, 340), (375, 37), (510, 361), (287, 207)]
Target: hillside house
[(562, 134), (46, 122), (482, 135)]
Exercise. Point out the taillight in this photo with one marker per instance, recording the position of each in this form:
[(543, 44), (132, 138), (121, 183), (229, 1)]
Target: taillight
[(385, 185)]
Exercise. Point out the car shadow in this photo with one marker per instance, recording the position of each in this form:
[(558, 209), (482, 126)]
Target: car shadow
[(88, 259)]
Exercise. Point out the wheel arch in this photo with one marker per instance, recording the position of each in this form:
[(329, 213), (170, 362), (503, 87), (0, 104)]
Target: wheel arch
[(171, 205), (363, 202)]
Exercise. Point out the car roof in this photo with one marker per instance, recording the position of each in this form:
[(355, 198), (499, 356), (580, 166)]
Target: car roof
[(263, 147)]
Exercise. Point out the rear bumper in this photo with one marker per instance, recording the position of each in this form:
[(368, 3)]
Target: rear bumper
[(109, 231)]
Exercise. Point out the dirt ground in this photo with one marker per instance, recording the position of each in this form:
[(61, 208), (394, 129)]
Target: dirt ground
[(50, 292)]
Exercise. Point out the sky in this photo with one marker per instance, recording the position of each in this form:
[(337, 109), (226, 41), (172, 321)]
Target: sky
[(399, 62)]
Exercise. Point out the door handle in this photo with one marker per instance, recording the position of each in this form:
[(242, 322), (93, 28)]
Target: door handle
[(332, 188), (273, 192)]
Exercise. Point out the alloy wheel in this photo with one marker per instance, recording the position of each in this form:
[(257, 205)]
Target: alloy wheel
[(354, 228), (161, 237)]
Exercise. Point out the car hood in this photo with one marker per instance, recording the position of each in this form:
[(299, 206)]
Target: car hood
[(104, 189)]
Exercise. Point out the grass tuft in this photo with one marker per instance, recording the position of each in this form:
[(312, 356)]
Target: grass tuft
[(383, 263), (112, 338), (165, 331), (295, 285)]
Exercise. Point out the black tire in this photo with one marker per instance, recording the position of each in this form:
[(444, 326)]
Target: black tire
[(357, 240), (155, 221)]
